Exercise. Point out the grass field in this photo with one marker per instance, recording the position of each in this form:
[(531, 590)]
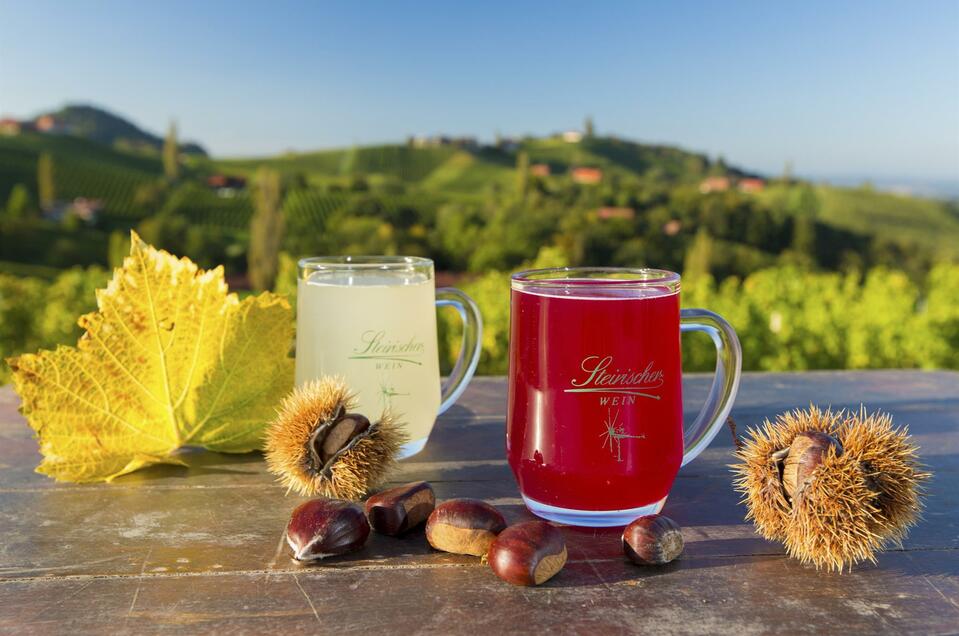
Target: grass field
[(895, 217)]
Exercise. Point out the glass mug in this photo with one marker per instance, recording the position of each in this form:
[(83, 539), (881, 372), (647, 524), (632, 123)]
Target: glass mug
[(595, 432), (372, 320)]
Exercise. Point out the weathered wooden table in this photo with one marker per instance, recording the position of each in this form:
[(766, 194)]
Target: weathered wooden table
[(201, 548)]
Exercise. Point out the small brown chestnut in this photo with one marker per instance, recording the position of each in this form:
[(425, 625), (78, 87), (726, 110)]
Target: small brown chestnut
[(464, 526), (653, 540), (528, 553), (806, 453), (399, 509), (324, 527)]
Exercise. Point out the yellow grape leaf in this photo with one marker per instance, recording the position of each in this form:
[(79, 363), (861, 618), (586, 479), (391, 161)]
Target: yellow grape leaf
[(170, 359)]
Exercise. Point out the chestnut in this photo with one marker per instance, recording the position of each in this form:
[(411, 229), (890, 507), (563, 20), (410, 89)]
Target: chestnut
[(324, 527), (653, 540), (340, 434), (396, 510), (464, 526), (528, 553), (805, 454)]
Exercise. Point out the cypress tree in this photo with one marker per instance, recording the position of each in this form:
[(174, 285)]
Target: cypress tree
[(266, 229), (46, 186), (171, 151)]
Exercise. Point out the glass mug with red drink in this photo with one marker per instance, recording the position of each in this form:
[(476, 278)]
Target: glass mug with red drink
[(595, 432)]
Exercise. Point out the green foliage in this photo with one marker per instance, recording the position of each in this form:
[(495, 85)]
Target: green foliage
[(20, 204), (266, 229), (118, 248), (37, 314), (790, 266), (787, 319)]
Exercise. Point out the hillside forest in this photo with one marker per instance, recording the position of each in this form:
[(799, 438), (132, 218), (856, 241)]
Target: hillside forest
[(811, 276)]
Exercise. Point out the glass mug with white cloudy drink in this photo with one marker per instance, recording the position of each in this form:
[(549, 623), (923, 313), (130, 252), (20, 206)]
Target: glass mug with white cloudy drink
[(372, 320)]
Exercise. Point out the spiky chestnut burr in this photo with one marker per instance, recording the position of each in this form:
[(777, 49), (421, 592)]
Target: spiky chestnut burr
[(834, 487), (315, 446)]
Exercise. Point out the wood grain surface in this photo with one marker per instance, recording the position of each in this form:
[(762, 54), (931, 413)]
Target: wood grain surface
[(200, 548)]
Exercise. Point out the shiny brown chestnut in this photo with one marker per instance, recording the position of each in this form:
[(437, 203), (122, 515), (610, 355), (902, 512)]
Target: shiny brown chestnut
[(528, 553), (325, 527), (397, 510), (464, 526), (653, 540), (803, 457)]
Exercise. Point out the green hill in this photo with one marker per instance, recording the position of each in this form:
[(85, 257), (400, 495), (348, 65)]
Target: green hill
[(900, 219), (82, 168), (97, 124), (401, 161), (894, 217), (388, 181)]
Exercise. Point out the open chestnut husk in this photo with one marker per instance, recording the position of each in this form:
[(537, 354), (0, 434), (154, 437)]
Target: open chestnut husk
[(317, 445), (528, 553), (397, 510), (464, 526), (653, 540), (835, 487), (325, 527)]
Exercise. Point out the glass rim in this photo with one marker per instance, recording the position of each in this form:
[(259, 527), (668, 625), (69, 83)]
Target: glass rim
[(363, 262), (595, 278)]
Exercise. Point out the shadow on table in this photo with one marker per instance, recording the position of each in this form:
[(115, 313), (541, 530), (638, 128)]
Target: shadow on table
[(198, 461)]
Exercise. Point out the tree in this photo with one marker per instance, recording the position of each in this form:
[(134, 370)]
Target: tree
[(118, 248), (699, 256), (588, 130), (171, 154), (46, 186), (804, 236), (20, 204), (788, 172), (266, 229), (522, 172)]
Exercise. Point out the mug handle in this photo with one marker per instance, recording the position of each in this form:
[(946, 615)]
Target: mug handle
[(472, 343), (719, 402)]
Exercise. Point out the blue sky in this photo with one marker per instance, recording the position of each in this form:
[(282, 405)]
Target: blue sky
[(838, 88)]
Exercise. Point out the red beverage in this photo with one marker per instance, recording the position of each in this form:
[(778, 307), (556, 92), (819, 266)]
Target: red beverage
[(595, 395)]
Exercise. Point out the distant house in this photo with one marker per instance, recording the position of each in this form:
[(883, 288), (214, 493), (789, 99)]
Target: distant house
[(539, 169), (81, 207), (50, 124), (751, 185), (86, 209), (507, 144), (714, 184), (587, 176), (611, 212), (672, 228), (226, 186), (468, 143), (572, 136), (9, 127)]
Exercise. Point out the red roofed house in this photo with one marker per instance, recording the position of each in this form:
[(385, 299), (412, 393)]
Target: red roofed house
[(226, 186), (672, 228), (9, 126), (751, 185), (589, 176), (714, 184), (610, 212), (539, 169)]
